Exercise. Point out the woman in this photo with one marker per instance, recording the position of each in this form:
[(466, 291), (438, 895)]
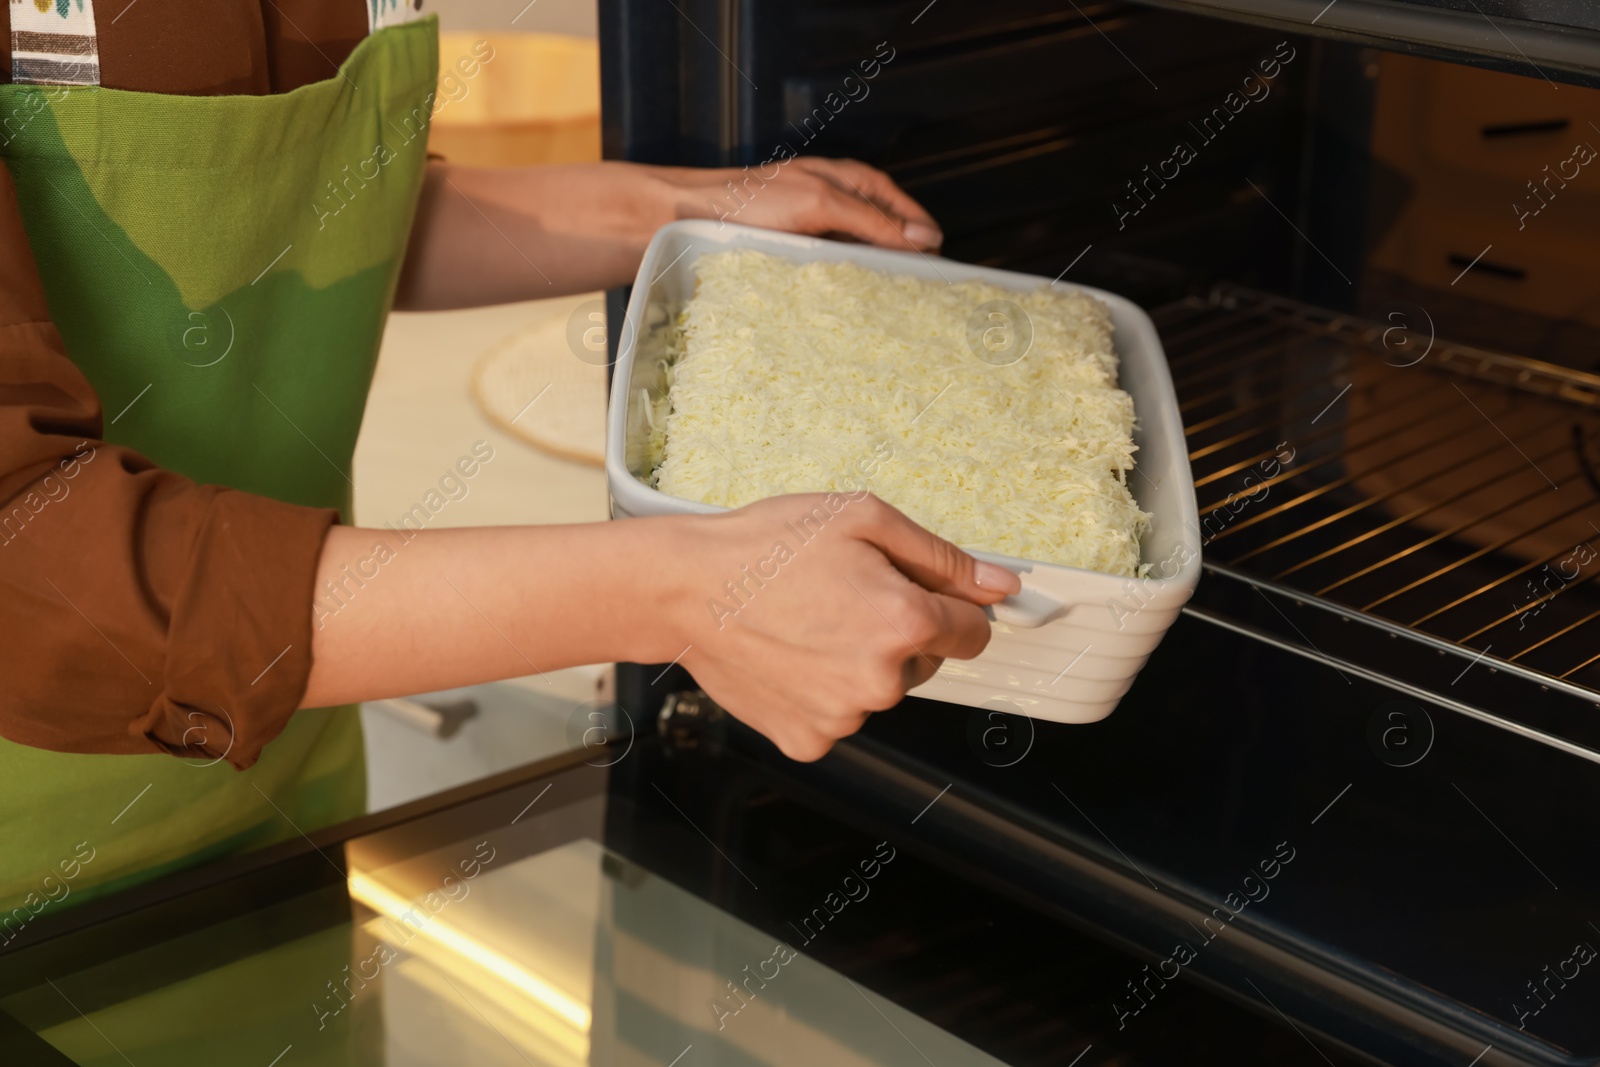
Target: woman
[(194, 277)]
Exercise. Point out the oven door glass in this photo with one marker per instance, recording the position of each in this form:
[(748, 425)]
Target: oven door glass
[(520, 940)]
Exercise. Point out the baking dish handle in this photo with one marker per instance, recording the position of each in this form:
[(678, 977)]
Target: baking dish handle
[(1027, 609)]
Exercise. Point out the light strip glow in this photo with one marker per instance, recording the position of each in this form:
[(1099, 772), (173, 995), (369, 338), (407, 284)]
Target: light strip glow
[(391, 905)]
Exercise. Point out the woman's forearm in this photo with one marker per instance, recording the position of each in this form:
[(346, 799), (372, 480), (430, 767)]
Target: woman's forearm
[(459, 607), (486, 236), (799, 614)]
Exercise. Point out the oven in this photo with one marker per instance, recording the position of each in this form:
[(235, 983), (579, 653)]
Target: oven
[(1356, 791)]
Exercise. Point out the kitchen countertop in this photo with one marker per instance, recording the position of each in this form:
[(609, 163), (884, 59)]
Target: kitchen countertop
[(420, 418)]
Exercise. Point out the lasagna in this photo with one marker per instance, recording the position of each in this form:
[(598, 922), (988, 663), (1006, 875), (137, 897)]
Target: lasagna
[(988, 415)]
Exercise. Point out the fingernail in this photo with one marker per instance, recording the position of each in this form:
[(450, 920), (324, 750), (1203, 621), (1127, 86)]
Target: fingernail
[(920, 233), (994, 577)]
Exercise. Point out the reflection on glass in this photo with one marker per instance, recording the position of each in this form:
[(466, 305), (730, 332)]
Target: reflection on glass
[(469, 955), (492, 958)]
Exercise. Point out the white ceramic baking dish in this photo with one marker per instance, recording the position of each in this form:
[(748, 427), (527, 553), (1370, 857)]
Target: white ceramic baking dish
[(1069, 645)]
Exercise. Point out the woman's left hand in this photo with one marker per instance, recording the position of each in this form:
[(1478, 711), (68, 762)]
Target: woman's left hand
[(810, 195)]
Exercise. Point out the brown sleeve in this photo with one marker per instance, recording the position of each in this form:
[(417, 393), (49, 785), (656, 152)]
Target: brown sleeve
[(139, 612), (307, 40)]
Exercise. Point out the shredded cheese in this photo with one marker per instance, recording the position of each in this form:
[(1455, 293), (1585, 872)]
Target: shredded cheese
[(830, 377)]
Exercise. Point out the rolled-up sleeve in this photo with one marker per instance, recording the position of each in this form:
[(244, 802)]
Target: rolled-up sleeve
[(140, 612)]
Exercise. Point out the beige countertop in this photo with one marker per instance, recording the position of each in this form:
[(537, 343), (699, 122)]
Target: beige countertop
[(421, 418)]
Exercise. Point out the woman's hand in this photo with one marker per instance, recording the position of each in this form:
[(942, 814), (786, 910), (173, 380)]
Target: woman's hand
[(799, 614), (803, 614), (491, 236), (811, 195)]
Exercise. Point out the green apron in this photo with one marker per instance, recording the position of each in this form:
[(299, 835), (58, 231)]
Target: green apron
[(221, 269)]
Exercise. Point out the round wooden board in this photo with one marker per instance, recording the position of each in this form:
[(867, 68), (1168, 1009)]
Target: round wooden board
[(532, 386)]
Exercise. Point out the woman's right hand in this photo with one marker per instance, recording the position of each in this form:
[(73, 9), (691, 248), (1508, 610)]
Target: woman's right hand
[(804, 614)]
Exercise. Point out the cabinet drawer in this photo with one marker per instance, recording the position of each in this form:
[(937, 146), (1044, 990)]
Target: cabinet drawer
[(1479, 121)]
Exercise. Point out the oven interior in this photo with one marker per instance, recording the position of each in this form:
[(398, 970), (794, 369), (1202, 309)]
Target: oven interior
[(1370, 262), (1366, 232)]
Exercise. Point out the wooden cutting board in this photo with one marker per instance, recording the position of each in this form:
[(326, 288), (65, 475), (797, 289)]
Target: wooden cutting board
[(537, 388)]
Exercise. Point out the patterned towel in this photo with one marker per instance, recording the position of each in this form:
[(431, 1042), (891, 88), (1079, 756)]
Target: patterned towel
[(52, 43)]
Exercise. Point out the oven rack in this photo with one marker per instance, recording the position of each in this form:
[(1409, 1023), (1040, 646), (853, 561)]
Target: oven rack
[(1433, 489)]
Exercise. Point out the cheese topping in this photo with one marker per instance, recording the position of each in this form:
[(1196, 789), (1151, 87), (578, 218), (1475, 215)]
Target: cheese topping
[(819, 377)]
